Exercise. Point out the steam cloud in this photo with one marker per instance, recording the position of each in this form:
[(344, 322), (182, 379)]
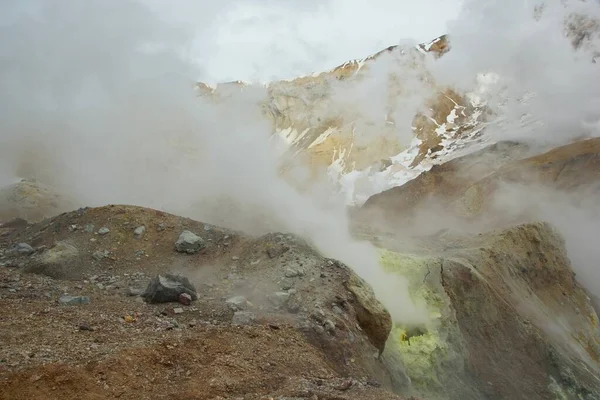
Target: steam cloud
[(97, 100)]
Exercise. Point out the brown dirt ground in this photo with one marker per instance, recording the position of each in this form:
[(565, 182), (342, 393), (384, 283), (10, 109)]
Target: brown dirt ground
[(120, 347)]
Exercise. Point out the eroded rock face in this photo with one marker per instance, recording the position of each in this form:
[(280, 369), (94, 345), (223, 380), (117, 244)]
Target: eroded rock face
[(512, 321), (372, 316)]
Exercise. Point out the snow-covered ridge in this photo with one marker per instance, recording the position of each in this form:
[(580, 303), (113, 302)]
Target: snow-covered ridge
[(370, 123)]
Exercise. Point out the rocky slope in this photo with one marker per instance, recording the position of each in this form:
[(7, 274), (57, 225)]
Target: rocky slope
[(508, 301), (469, 186), (272, 318)]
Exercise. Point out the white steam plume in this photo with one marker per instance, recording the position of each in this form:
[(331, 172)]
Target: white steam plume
[(97, 100)]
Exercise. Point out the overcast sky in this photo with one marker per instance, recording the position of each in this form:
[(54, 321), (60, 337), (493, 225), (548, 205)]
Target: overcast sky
[(273, 39)]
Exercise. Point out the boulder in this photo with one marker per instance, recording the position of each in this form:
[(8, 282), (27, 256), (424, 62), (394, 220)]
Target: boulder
[(167, 288), (55, 262), (190, 243)]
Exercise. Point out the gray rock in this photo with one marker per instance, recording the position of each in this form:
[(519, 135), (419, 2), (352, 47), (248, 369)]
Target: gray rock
[(24, 248), (329, 326), (73, 300), (89, 228), (287, 284), (242, 318), (237, 303), (189, 243), (139, 231), (132, 291), (291, 273), (56, 262), (178, 310), (277, 251), (100, 255), (168, 288), (103, 231), (279, 299), (100, 286)]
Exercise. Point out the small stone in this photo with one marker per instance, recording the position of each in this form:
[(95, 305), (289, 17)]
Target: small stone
[(329, 326), (73, 300), (100, 286), (89, 228), (345, 385), (235, 258), (287, 284), (24, 248), (277, 251), (185, 299), (318, 316), (161, 227), (100, 255), (189, 243), (351, 337), (373, 382), (291, 273), (85, 327), (237, 303), (337, 310), (242, 318), (139, 231), (278, 299), (178, 310), (103, 231)]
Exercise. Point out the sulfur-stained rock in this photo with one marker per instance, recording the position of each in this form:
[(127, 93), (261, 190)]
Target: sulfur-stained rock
[(33, 201)]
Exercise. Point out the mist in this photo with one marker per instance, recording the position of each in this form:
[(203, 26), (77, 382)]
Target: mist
[(546, 92), (98, 101)]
